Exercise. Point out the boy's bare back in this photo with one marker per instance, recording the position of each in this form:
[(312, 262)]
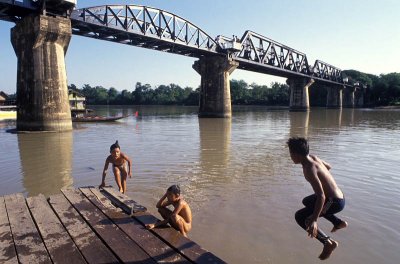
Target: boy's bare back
[(321, 168)]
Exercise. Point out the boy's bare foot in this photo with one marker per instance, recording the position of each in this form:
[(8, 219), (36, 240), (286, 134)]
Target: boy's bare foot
[(329, 247), (343, 224)]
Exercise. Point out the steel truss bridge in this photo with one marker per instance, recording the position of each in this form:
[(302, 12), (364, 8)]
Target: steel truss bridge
[(157, 29)]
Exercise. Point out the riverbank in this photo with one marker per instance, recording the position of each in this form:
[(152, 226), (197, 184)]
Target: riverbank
[(388, 107)]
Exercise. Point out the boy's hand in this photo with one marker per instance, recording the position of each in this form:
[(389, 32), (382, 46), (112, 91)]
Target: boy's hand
[(150, 226), (130, 174), (312, 229)]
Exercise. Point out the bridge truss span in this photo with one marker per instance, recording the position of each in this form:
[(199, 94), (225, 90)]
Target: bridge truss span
[(326, 71), (143, 27), (258, 53)]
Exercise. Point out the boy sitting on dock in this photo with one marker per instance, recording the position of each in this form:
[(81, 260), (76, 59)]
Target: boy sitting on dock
[(180, 218), (118, 160), (327, 199)]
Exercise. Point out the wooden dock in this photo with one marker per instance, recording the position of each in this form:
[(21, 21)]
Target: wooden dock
[(87, 225)]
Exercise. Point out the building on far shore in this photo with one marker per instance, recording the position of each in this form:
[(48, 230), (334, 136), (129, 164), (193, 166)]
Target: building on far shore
[(3, 98), (77, 102), (7, 99)]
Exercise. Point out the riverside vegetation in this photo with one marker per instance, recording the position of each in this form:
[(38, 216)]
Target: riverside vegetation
[(382, 90)]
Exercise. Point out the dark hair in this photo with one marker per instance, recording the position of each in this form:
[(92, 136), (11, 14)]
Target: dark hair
[(175, 189), (114, 146), (298, 145)]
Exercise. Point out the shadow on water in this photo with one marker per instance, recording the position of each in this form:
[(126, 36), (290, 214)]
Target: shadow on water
[(46, 162)]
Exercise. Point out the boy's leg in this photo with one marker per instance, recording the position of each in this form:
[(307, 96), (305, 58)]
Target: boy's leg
[(180, 224), (335, 207), (309, 201), (117, 178), (329, 244), (164, 212), (301, 219), (124, 175)]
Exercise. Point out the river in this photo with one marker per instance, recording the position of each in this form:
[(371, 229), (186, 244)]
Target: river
[(235, 173)]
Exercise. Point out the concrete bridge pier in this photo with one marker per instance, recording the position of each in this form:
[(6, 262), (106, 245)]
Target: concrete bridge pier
[(299, 96), (40, 43), (334, 97), (348, 97), (215, 94), (359, 97)]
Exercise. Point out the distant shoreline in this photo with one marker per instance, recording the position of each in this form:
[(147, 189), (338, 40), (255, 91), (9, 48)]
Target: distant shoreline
[(388, 107)]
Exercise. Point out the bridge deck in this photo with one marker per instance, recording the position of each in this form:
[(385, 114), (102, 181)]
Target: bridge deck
[(87, 225)]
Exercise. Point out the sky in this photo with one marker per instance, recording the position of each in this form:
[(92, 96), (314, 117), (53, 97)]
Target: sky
[(350, 34)]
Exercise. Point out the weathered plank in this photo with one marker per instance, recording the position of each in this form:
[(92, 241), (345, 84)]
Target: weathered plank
[(28, 243), (124, 201), (7, 249), (156, 248), (91, 247), (126, 249), (58, 243), (187, 247), (173, 238)]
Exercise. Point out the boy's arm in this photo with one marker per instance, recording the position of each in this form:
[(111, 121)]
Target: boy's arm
[(162, 202), (311, 175), (129, 165), (178, 208), (326, 164), (104, 173)]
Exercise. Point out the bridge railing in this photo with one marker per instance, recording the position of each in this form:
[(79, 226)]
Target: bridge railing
[(145, 21)]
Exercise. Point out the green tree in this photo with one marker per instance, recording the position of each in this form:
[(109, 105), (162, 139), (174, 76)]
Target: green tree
[(112, 95), (239, 92)]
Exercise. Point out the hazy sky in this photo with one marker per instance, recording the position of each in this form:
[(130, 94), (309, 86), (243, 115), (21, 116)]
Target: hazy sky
[(349, 34)]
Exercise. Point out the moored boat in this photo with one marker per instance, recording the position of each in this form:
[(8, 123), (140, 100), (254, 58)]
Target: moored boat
[(8, 112), (98, 118)]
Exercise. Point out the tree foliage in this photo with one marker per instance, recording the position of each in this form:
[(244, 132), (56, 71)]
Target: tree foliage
[(381, 90), (173, 94)]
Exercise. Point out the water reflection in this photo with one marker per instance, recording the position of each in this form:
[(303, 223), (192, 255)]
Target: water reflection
[(299, 122), (46, 162), (348, 117), (215, 139)]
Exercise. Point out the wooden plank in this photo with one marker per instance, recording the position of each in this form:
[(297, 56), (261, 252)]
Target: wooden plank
[(28, 243), (126, 249), (124, 201), (91, 247), (156, 248), (7, 249), (185, 246), (58, 243)]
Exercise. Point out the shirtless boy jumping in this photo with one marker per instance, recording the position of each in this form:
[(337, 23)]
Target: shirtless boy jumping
[(180, 218), (327, 199), (120, 170)]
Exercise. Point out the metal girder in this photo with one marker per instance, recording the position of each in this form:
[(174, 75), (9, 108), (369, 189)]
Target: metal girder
[(326, 71), (258, 49), (12, 11), (258, 53), (157, 29)]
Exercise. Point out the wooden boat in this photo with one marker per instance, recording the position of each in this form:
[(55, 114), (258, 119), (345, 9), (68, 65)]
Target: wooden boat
[(98, 118), (8, 115), (8, 112)]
